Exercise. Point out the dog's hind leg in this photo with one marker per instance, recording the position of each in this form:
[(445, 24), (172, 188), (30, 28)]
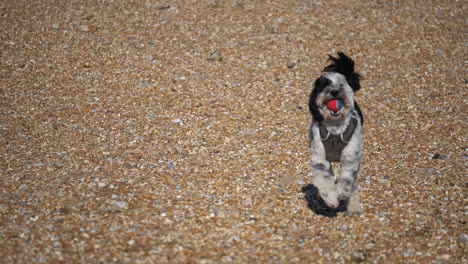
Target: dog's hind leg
[(347, 181), (354, 203), (348, 186)]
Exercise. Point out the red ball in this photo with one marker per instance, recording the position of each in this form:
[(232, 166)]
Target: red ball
[(335, 105)]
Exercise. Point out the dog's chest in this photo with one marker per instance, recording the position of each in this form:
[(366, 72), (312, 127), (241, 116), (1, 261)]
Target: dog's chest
[(334, 145)]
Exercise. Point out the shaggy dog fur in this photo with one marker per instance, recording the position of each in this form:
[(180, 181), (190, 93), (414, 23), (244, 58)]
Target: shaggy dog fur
[(336, 137)]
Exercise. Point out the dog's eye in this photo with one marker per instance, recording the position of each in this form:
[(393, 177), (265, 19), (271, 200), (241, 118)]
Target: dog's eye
[(322, 82)]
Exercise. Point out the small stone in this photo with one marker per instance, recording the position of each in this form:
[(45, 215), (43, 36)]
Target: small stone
[(221, 214), (215, 56), (358, 257), (116, 206), (438, 156), (247, 201), (162, 7), (205, 261), (101, 184), (234, 238), (463, 238), (115, 228), (84, 28), (291, 64), (277, 237), (171, 165), (121, 204), (55, 26)]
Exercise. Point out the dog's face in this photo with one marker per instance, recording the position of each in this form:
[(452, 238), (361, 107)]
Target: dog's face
[(339, 81), (328, 87)]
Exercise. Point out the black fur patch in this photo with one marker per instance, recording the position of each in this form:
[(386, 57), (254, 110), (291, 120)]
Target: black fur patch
[(358, 110), (320, 84), (317, 205), (320, 166), (344, 65)]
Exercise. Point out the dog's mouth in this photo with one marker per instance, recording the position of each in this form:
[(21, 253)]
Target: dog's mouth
[(335, 106), (335, 113)]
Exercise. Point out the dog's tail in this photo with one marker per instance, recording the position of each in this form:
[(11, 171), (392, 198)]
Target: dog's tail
[(344, 65)]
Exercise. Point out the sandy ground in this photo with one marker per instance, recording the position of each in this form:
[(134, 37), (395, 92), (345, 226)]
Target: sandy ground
[(175, 132)]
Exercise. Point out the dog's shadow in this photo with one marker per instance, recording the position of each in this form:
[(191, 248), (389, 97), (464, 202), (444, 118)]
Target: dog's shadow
[(317, 205)]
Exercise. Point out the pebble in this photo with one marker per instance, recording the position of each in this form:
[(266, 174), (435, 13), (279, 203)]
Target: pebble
[(221, 214), (168, 221), (438, 156), (116, 206), (463, 238), (358, 257), (162, 7), (84, 28), (115, 228), (171, 165), (291, 65), (215, 56)]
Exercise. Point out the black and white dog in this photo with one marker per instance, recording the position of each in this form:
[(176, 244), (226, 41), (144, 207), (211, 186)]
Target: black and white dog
[(337, 135)]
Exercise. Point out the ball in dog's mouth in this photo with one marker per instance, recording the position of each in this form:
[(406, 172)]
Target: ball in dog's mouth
[(335, 106)]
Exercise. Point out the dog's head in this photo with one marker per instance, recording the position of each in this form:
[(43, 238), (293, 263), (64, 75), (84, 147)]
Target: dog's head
[(338, 81)]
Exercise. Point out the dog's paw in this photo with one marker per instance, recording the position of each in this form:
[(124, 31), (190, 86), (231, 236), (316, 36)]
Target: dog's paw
[(354, 208), (344, 195), (344, 190), (330, 198)]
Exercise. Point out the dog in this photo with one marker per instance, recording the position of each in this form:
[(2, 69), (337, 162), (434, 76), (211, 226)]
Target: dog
[(337, 135)]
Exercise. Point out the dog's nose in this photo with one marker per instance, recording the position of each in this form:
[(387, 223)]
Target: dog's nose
[(334, 92)]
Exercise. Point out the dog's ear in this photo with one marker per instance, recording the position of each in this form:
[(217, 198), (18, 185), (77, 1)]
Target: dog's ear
[(319, 85), (344, 65)]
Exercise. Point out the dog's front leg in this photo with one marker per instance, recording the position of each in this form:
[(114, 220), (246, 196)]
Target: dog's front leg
[(324, 180), (322, 174)]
